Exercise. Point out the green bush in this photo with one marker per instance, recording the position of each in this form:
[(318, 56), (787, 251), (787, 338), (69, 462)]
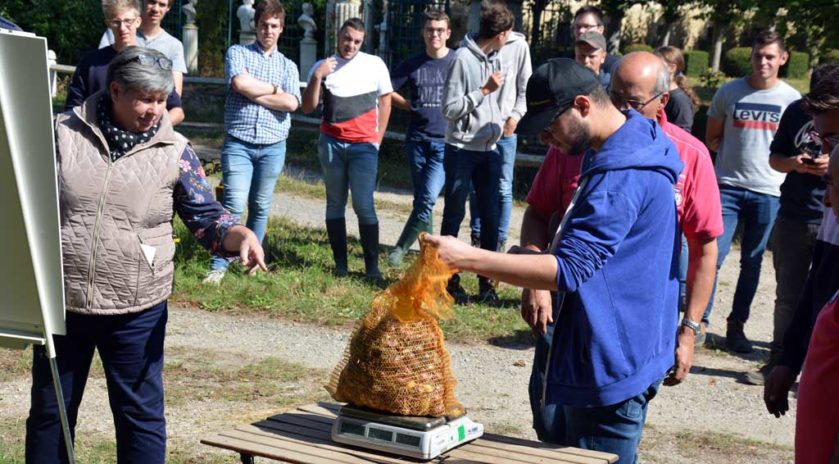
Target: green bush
[(738, 62), (831, 57), (637, 47), (696, 62), (797, 65)]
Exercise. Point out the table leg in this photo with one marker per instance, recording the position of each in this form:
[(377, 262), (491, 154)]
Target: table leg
[(246, 458)]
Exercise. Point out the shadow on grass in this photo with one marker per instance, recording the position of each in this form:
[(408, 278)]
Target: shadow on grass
[(521, 339)]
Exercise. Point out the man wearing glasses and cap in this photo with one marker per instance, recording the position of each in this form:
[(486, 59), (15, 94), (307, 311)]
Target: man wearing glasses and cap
[(613, 261), (123, 18)]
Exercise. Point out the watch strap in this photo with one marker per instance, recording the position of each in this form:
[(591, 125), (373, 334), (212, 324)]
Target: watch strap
[(696, 327)]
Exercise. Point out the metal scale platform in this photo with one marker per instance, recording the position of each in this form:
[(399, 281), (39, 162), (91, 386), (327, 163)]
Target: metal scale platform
[(416, 437)]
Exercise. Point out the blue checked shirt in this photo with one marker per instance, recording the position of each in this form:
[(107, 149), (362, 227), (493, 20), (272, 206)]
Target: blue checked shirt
[(246, 120)]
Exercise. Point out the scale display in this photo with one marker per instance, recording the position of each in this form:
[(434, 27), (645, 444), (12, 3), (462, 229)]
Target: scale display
[(416, 437)]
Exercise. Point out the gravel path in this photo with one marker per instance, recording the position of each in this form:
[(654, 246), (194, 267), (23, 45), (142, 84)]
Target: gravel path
[(492, 380)]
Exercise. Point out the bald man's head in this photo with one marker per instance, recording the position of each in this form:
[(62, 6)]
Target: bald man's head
[(641, 81)]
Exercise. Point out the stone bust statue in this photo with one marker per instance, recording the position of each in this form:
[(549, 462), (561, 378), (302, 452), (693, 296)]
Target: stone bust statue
[(306, 21), (245, 14), (189, 11)]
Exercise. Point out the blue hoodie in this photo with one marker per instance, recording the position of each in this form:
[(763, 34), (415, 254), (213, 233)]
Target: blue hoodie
[(618, 259)]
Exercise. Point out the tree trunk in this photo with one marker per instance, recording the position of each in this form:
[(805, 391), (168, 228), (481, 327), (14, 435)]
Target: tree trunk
[(667, 33), (719, 38)]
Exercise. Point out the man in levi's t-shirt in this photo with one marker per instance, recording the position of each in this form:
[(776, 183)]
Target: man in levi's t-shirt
[(355, 89)]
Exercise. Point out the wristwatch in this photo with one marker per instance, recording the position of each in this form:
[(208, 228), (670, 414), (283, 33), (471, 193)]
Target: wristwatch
[(691, 325)]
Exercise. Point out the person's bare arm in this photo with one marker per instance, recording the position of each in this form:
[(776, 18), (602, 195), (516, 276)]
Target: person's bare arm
[(713, 133), (280, 101), (535, 270), (311, 96), (176, 115), (534, 230), (384, 114), (250, 86), (702, 264), (536, 306), (400, 102), (178, 77)]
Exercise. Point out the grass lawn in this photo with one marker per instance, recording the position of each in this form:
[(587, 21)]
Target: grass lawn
[(301, 287)]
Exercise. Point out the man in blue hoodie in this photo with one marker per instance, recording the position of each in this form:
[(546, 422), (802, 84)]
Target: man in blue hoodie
[(614, 262)]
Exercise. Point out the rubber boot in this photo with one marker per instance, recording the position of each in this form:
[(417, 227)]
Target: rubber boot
[(456, 290), (486, 292), (336, 229), (369, 237), (409, 235)]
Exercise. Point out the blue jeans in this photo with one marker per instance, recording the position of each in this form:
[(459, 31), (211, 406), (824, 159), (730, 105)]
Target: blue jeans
[(614, 429), (758, 212), (506, 147), (131, 349), (349, 166), (249, 173), (463, 169), (426, 161)]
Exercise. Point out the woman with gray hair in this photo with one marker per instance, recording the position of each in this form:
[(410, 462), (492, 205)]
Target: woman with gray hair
[(123, 173)]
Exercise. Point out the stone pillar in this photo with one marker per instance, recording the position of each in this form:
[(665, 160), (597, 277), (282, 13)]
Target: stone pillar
[(246, 38), (369, 19), (342, 10), (51, 61), (245, 14), (190, 38), (308, 56)]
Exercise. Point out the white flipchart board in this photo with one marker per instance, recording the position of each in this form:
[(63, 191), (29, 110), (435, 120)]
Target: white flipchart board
[(31, 279)]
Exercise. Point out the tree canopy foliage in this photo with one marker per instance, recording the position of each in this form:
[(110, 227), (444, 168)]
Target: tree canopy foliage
[(71, 27)]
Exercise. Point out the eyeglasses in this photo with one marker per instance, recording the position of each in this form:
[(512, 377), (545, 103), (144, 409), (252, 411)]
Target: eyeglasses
[(621, 102), (119, 23), (147, 60), (435, 30)]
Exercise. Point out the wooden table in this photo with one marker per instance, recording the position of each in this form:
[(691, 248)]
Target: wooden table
[(303, 436)]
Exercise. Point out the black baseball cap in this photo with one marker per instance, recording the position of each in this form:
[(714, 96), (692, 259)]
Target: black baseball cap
[(552, 89)]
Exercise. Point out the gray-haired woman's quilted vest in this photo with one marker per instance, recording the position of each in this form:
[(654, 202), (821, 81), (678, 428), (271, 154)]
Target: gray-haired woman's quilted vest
[(116, 217)]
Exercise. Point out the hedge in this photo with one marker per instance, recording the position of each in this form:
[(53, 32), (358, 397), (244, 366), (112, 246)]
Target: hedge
[(637, 47), (738, 62), (696, 62), (797, 65), (831, 56)]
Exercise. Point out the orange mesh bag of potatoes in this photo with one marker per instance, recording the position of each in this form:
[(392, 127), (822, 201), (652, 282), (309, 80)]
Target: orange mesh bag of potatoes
[(396, 360)]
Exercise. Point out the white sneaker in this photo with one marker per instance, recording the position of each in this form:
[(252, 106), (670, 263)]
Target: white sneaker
[(214, 277)]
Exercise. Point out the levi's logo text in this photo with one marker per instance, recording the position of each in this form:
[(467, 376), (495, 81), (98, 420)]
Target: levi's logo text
[(757, 116)]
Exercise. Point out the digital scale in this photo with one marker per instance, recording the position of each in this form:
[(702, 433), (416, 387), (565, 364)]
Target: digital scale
[(416, 437)]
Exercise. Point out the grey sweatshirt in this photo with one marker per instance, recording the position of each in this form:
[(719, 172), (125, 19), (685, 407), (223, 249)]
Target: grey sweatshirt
[(475, 120), (515, 64)]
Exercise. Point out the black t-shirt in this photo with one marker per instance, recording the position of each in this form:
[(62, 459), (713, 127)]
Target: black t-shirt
[(679, 110), (91, 76), (426, 79), (801, 194)]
